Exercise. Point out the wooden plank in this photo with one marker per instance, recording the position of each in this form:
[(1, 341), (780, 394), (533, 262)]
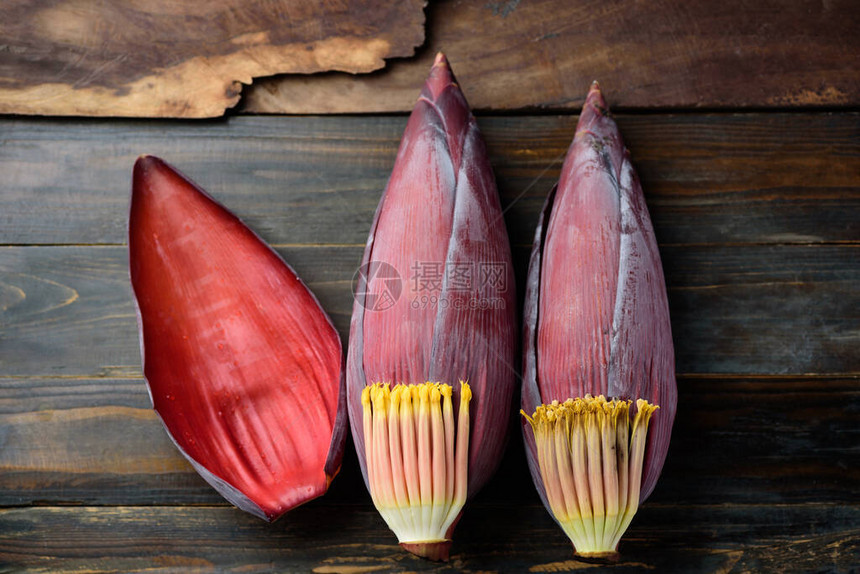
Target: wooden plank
[(150, 58), (69, 438), (735, 309), (764, 309), (512, 55), (770, 440), (761, 178), (498, 538)]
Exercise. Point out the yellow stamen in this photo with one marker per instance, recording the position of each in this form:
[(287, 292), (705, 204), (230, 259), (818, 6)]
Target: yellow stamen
[(591, 464), (417, 459), (397, 477), (368, 438), (448, 419)]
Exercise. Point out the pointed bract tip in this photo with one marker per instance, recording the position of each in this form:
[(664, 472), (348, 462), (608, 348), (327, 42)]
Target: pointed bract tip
[(145, 165), (142, 163), (440, 77), (153, 177), (147, 161), (595, 100)]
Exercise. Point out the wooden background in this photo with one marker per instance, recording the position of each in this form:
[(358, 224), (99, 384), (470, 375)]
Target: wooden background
[(743, 119)]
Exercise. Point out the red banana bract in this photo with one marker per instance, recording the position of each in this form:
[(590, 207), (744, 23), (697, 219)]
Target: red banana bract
[(243, 366)]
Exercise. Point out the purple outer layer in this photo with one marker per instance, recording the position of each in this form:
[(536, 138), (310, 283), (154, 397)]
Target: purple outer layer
[(641, 358), (475, 346)]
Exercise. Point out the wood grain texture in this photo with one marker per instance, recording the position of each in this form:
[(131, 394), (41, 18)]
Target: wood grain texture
[(156, 58), (712, 178), (512, 54), (735, 309), (97, 441), (490, 538)]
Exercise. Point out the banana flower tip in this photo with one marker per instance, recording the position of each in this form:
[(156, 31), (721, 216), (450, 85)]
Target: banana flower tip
[(595, 100), (440, 77)]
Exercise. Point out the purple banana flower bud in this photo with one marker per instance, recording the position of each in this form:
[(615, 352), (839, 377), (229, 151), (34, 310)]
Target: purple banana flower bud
[(596, 325), (443, 349)]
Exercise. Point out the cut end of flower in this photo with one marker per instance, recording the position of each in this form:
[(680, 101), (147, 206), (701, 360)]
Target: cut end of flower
[(437, 551), (598, 557), (591, 460), (417, 461)]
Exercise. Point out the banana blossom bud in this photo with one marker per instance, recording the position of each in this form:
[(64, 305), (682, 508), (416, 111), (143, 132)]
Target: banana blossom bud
[(429, 370), (596, 326)]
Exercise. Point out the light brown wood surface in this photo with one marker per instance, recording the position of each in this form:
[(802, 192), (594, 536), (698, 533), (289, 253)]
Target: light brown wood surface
[(166, 58)]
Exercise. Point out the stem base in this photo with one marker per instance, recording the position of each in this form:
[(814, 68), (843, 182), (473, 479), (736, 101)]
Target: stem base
[(610, 557), (437, 551)]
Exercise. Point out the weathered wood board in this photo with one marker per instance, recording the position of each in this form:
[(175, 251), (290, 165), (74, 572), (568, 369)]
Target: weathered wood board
[(759, 309), (98, 442), (526, 54), (758, 225), (490, 538), (708, 178), (185, 59)]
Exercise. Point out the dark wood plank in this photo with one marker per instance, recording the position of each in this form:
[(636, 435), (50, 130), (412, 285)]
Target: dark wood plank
[(735, 309), (61, 57), (351, 539), (509, 55), (764, 440), (764, 309), (762, 178), (770, 440)]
